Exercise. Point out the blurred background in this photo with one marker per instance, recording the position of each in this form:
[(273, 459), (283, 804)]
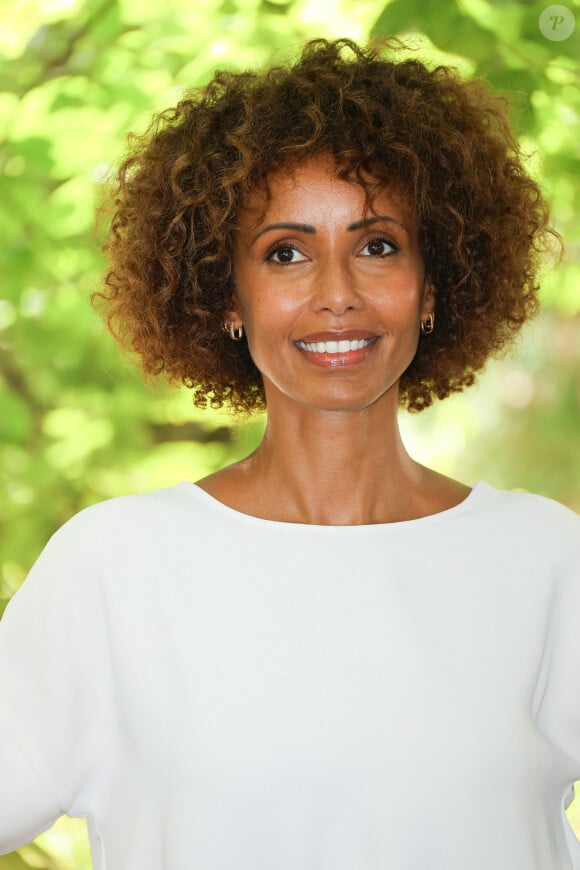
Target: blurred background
[(77, 425)]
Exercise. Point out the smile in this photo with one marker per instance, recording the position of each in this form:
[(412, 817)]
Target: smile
[(343, 346)]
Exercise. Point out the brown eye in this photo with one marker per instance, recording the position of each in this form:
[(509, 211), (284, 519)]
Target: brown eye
[(379, 248), (283, 255)]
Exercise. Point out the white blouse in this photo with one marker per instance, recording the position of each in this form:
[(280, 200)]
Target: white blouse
[(214, 691)]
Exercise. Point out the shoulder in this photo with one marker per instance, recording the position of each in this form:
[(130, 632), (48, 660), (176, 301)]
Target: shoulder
[(122, 523), (123, 543), (527, 504), (541, 521)]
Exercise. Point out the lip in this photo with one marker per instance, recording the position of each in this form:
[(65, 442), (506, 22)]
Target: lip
[(339, 335), (341, 359)]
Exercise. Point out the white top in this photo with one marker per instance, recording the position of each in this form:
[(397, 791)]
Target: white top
[(215, 691)]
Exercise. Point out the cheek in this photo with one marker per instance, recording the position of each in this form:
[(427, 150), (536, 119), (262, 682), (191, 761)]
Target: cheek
[(400, 304), (269, 309)]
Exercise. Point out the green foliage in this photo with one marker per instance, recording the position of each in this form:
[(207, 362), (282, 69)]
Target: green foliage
[(77, 425)]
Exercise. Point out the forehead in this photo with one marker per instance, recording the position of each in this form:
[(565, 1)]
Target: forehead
[(322, 185)]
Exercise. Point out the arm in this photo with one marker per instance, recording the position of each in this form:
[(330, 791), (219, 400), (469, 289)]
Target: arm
[(49, 722)]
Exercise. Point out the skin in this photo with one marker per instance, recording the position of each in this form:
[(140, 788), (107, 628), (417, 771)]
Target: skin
[(332, 453)]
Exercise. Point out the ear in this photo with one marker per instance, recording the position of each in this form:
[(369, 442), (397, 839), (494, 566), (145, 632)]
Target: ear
[(429, 299)]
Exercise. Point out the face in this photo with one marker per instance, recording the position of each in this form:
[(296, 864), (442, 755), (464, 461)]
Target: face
[(330, 293)]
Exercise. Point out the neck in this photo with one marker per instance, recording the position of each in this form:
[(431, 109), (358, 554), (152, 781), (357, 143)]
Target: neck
[(334, 468)]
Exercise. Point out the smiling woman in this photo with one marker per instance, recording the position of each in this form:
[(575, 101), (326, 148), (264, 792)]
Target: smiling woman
[(329, 241), (331, 290)]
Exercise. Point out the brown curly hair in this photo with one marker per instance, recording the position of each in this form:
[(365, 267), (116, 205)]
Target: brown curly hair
[(483, 223)]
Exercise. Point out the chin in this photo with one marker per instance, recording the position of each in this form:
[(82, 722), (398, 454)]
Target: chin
[(347, 403)]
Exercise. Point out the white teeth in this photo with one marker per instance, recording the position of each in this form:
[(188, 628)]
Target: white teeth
[(334, 346)]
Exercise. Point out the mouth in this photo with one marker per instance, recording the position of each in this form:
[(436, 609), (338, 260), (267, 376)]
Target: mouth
[(336, 354), (334, 347)]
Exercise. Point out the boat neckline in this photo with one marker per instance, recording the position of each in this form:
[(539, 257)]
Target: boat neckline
[(473, 496)]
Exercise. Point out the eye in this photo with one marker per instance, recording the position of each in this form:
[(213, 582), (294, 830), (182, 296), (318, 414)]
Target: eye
[(283, 255), (379, 247)]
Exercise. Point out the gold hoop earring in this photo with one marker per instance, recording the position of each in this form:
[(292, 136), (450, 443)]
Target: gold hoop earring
[(235, 334), (428, 325)]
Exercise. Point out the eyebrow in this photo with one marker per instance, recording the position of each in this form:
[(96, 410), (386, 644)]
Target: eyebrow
[(311, 230), (301, 228), (359, 225)]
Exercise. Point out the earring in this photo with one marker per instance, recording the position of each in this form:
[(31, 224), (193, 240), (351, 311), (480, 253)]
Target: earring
[(235, 334), (428, 325)]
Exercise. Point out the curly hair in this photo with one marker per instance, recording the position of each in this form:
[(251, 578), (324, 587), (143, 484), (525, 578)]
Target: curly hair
[(483, 223)]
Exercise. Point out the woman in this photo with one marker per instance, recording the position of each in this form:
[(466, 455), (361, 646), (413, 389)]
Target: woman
[(326, 656)]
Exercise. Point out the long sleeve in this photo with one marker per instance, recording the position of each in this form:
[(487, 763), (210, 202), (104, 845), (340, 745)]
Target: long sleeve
[(48, 692), (558, 689)]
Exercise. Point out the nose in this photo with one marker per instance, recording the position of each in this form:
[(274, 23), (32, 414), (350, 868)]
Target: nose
[(335, 288)]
